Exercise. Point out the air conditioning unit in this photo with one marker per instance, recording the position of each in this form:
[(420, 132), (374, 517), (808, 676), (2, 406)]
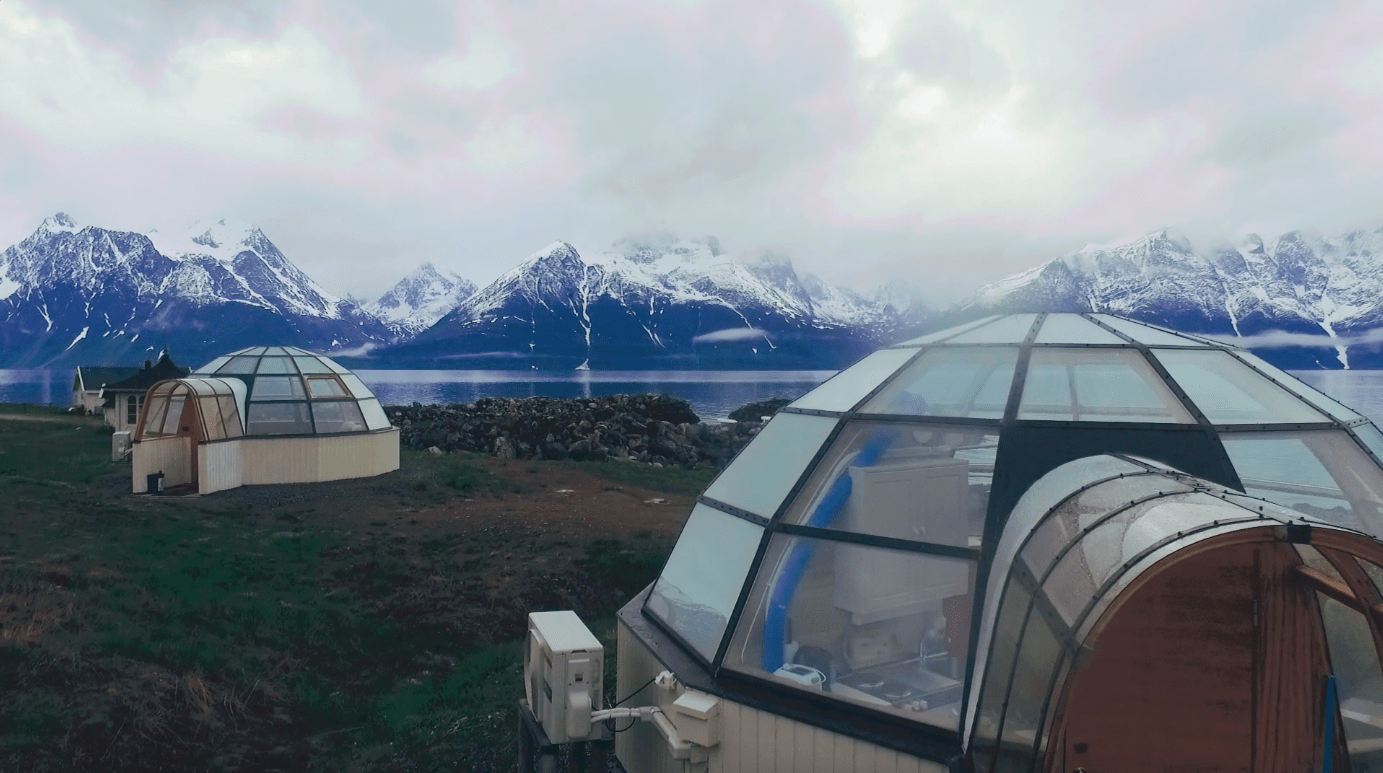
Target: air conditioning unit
[(120, 443), (562, 675)]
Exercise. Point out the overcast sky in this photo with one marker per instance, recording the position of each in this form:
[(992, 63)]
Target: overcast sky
[(948, 144)]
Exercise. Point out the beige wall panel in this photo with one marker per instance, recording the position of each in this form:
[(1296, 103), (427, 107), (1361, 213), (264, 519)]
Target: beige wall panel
[(219, 466), (730, 738), (279, 460), (824, 751), (844, 756), (804, 748), (171, 455), (358, 456), (783, 758)]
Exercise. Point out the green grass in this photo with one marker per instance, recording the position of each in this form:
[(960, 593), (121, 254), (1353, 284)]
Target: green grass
[(139, 633)]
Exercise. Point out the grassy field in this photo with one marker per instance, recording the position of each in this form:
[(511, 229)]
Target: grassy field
[(287, 630)]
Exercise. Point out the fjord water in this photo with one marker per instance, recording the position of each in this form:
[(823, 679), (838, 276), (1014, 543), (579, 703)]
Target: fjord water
[(713, 394)]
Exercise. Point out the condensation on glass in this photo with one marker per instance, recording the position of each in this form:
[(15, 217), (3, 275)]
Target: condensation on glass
[(1115, 385), (966, 382), (1229, 392), (767, 468), (842, 391), (881, 628), (698, 588)]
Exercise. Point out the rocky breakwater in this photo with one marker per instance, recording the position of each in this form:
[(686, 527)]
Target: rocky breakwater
[(653, 429)]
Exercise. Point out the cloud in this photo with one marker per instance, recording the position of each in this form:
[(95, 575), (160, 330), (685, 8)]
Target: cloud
[(941, 142), (731, 334), (487, 63)]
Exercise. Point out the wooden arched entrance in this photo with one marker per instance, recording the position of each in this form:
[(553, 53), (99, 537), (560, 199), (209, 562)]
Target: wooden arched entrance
[(1218, 660)]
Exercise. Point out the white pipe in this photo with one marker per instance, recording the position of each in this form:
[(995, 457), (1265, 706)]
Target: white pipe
[(681, 749)]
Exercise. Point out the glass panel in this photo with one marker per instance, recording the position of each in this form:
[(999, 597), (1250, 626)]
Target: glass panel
[(766, 469), (701, 582), (173, 419), (254, 351), (1358, 682), (1322, 473), (880, 628), (950, 331), (967, 382), (1372, 438), (1229, 392), (157, 408), (339, 416), (211, 418), (276, 365), (1055, 486), (212, 366), (333, 366), (375, 418), (275, 351), (279, 419), (356, 386), (1144, 334), (311, 365), (1074, 329), (914, 482), (277, 388), (239, 365), (230, 415), (848, 387), (1012, 329), (1311, 394), (1097, 385), (326, 387), (1037, 657), (1003, 656)]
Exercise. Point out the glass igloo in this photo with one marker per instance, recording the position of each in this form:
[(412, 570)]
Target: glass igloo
[(834, 571), (275, 414), (295, 392)]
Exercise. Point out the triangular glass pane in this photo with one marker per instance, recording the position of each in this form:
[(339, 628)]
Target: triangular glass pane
[(1229, 392), (1145, 334), (767, 469), (696, 592), (843, 390), (961, 381), (1097, 385), (1074, 329), (1005, 330), (950, 331), (1306, 391)]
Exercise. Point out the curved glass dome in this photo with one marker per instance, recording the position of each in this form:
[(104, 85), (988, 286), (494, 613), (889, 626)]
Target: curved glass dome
[(836, 557), (292, 391)]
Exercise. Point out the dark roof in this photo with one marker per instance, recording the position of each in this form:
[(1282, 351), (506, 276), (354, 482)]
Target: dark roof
[(149, 375), (93, 376)]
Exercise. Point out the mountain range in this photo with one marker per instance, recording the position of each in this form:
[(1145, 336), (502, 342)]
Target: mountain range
[(1302, 299), (72, 294)]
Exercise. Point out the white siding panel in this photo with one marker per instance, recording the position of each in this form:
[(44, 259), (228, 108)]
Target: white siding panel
[(803, 747), (219, 466), (824, 751), (172, 456)]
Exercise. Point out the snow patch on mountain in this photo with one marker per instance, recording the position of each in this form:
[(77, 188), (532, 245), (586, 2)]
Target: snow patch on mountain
[(418, 300)]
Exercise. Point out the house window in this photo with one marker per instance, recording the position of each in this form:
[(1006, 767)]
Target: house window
[(132, 406)]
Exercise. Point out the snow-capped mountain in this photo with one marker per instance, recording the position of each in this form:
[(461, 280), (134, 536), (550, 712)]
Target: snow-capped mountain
[(420, 299), (659, 302), (73, 293), (1300, 282)]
